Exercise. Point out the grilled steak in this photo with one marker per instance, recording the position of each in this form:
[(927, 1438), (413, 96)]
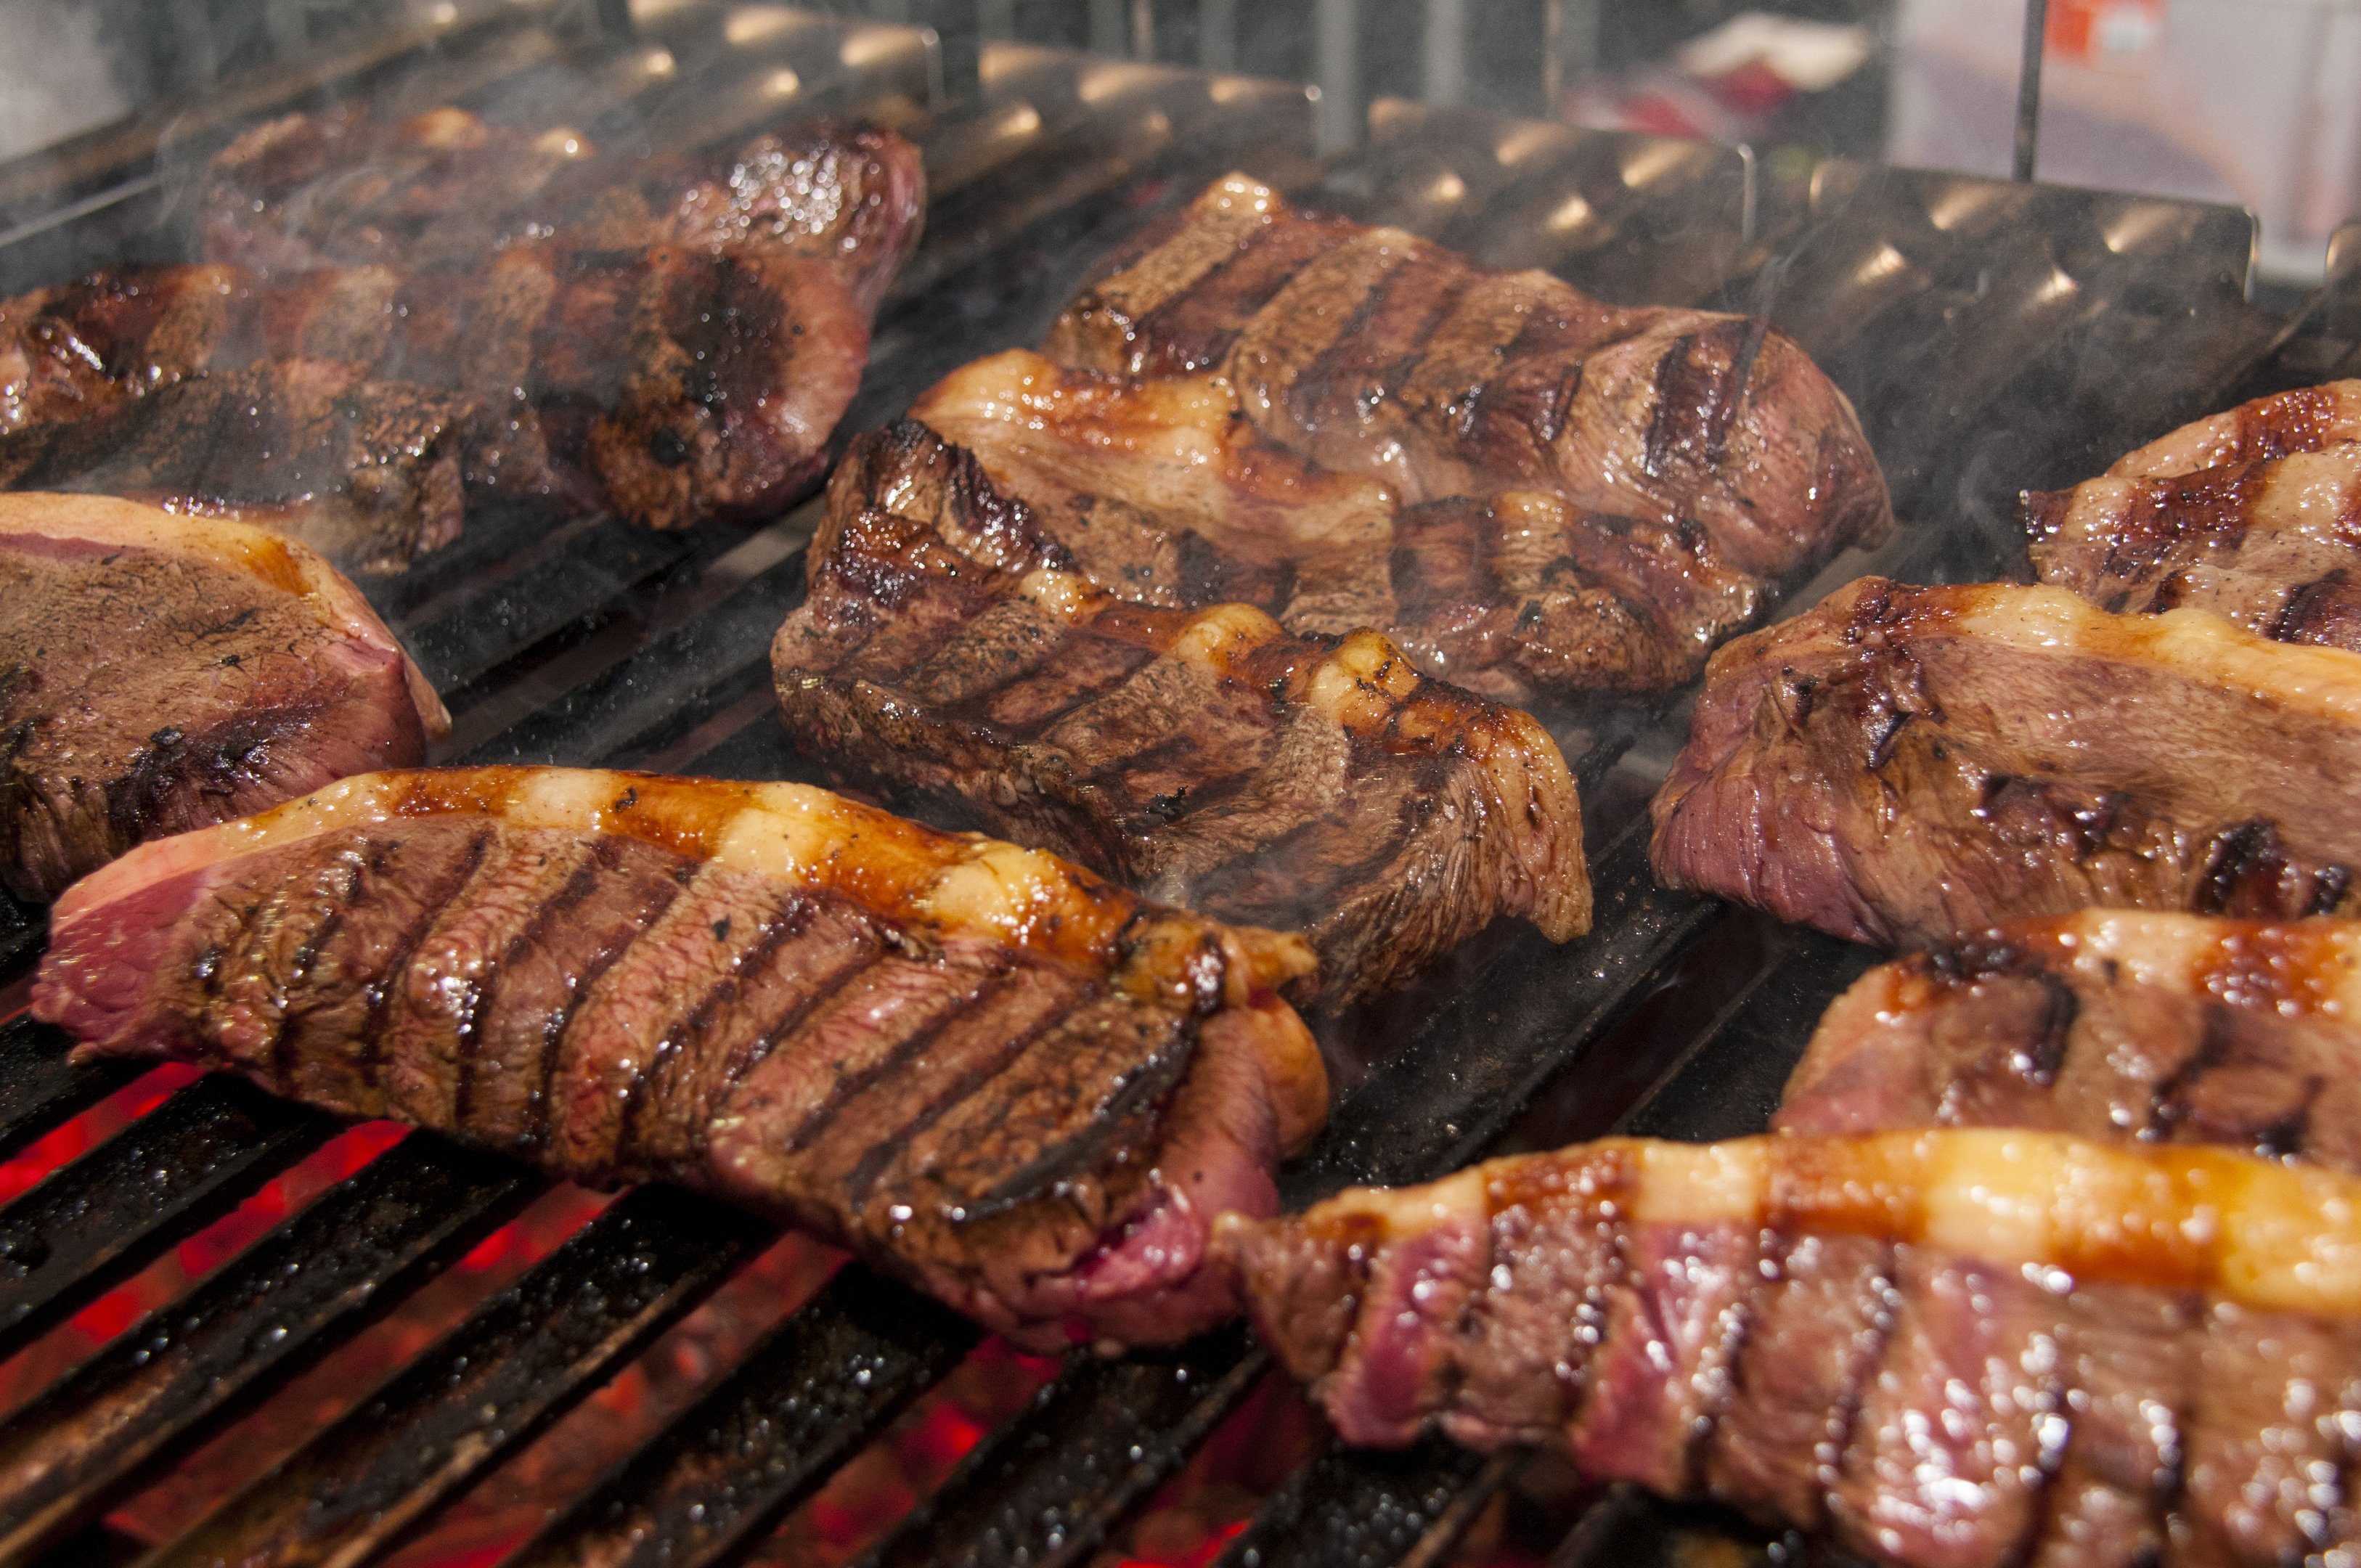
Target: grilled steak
[(672, 384), (1370, 351), (2110, 1023), (1901, 763), (365, 471), (159, 673), (1013, 1084), (2271, 543), (1207, 757), (1163, 495), (443, 189), (2310, 419), (2252, 514), (1946, 1349)]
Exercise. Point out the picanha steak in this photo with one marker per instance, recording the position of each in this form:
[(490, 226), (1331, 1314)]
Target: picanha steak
[(1901, 764), (1530, 493), (159, 673), (2106, 1024), (671, 362), (2254, 514), (443, 189), (1942, 1348), (983, 1070), (948, 650), (1162, 493)]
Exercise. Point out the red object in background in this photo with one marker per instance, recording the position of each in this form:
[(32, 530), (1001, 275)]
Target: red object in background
[(2101, 32)]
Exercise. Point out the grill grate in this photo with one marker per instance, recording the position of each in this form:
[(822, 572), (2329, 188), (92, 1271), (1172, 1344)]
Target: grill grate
[(1988, 332)]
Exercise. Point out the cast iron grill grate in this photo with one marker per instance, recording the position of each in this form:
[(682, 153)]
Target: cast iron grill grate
[(1996, 337)]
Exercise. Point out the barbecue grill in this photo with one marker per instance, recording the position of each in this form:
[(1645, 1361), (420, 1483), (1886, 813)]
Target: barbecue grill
[(1994, 335)]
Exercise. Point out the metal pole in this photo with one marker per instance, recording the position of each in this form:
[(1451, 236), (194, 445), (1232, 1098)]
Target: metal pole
[(1443, 78), (1143, 30), (2028, 86), (1336, 67), (1217, 34)]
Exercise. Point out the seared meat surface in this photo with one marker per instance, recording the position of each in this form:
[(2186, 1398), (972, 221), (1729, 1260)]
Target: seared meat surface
[(2106, 1024), (949, 650), (1941, 1348), (987, 1071), (674, 344), (670, 384), (2310, 419), (2251, 514), (1370, 351), (444, 189), (365, 470), (1900, 764), (159, 673), (1162, 494)]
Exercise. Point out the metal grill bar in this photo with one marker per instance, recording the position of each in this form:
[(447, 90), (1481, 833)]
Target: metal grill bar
[(519, 1361), (803, 1401), (96, 1221), (40, 1085), (189, 1367), (1116, 1429)]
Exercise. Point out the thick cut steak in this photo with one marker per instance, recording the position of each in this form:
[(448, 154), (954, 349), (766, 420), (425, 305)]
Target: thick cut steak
[(1162, 494), (1947, 1349), (444, 189), (1022, 1089), (366, 471), (2273, 543), (948, 652), (2106, 1024), (669, 383), (1900, 764), (1370, 351), (2309, 419), (159, 673)]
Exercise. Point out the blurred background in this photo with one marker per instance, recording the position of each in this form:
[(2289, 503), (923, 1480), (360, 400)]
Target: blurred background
[(2251, 102)]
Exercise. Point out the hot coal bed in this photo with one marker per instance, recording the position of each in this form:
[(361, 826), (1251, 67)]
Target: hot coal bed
[(240, 1332)]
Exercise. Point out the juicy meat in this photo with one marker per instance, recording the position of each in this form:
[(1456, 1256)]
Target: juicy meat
[(2106, 1024), (1370, 351), (670, 383), (366, 471), (159, 673), (947, 652), (1162, 494), (2273, 543), (2310, 419), (1899, 764), (445, 189), (1958, 1349), (1009, 1082)]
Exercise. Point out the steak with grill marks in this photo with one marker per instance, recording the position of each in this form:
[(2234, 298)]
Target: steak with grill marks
[(1161, 494), (2107, 1023), (1900, 764), (1950, 1349), (1004, 1079), (2310, 419), (669, 383), (366, 471), (444, 189), (1370, 351), (159, 673), (2273, 544), (947, 652), (2254, 514)]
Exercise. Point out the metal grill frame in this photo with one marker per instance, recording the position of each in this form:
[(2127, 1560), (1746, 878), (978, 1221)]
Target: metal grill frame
[(1982, 327)]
